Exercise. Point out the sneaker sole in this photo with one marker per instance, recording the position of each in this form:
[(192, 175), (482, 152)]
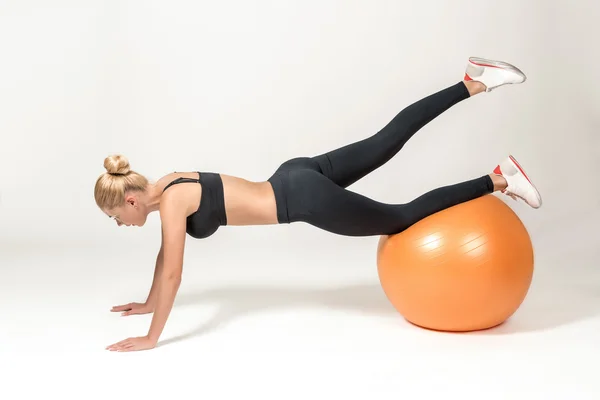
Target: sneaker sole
[(484, 62)]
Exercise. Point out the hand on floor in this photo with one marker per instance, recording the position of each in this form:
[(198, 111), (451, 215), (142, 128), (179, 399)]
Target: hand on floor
[(133, 344), (133, 308)]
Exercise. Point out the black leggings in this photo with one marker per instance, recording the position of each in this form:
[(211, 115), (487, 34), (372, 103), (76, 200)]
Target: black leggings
[(313, 189)]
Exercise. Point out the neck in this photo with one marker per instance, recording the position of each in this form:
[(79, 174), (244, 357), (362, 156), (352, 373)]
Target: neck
[(152, 199)]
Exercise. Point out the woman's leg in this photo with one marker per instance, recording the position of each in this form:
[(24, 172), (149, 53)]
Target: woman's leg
[(315, 199), (311, 197), (350, 163)]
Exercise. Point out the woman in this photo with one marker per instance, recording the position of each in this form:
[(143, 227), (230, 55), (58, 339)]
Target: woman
[(307, 189)]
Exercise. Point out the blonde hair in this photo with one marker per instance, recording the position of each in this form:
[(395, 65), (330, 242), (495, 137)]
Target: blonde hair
[(118, 179)]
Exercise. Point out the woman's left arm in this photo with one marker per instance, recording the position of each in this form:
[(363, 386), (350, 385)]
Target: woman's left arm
[(173, 219), (174, 237)]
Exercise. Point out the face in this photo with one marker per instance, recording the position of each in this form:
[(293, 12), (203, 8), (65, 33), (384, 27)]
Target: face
[(130, 214)]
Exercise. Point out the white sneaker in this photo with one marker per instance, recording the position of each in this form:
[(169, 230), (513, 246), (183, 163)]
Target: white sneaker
[(493, 73), (519, 184)]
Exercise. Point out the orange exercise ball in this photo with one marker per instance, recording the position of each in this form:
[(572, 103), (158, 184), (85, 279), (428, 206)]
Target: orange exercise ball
[(465, 268)]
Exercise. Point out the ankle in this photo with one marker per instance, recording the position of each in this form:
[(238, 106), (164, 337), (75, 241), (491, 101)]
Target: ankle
[(499, 182), (474, 87)]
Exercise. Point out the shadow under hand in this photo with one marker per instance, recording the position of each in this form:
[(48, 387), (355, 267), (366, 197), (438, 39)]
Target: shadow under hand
[(236, 301)]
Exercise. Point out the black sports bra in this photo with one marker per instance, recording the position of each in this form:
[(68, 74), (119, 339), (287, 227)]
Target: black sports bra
[(211, 213)]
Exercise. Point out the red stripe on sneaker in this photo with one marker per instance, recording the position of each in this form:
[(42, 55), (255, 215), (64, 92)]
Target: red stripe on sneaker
[(468, 78), (520, 169), (485, 65)]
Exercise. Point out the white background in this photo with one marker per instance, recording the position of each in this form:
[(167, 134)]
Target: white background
[(238, 87)]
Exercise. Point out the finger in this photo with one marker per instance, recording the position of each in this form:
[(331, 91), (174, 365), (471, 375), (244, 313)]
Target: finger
[(130, 312), (121, 343), (143, 310), (126, 347), (131, 347), (114, 346), (123, 307)]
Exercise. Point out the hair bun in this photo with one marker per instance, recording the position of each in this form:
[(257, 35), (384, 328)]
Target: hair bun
[(117, 165)]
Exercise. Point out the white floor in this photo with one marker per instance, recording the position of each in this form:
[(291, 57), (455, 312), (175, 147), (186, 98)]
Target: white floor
[(294, 324)]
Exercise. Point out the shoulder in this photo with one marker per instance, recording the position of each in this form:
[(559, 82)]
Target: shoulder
[(173, 217), (181, 199), (172, 202), (178, 201)]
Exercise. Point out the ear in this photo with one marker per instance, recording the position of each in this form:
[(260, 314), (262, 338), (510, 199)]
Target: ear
[(131, 200)]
